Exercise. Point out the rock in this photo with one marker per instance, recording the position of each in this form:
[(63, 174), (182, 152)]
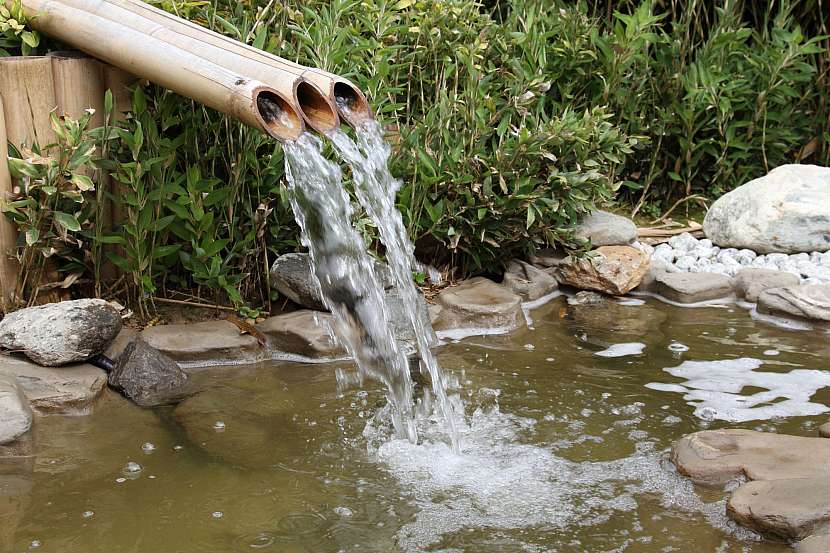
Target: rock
[(807, 301), (292, 277), (613, 270), (586, 298), (60, 333), (818, 543), (303, 332), (715, 457), (528, 282), (479, 303), (547, 257), (147, 376), (785, 211), (209, 342), (607, 229), (788, 509), (15, 415), (65, 390), (649, 282), (824, 430), (399, 318), (692, 287), (750, 282)]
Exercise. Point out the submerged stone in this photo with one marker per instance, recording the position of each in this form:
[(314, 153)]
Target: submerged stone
[(807, 301), (61, 333), (147, 376), (607, 229), (527, 281), (479, 303), (15, 414), (613, 270)]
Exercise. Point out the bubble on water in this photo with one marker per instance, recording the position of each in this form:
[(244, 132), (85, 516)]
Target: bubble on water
[(178, 447), (120, 480), (131, 468), (261, 540), (148, 447), (549, 359), (35, 544), (343, 512), (217, 514), (622, 350), (219, 426), (88, 514), (530, 347), (677, 347), (771, 352)]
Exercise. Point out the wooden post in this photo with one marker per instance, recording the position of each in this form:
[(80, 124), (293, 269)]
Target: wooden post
[(79, 85), (29, 96), (9, 267)]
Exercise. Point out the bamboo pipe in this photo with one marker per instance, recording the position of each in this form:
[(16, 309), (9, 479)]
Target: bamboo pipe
[(239, 96), (350, 101), (318, 111)]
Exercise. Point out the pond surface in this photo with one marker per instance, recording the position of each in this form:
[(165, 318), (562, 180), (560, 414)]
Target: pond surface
[(564, 445)]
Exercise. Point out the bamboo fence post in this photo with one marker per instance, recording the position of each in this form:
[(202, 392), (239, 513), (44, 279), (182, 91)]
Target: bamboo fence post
[(79, 85), (29, 95), (9, 268)]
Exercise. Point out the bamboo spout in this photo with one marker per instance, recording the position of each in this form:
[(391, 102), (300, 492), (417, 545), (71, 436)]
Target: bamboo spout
[(245, 97), (340, 92)]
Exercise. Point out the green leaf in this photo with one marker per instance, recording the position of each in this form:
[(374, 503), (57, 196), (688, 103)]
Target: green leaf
[(67, 221), (82, 182), (32, 236)]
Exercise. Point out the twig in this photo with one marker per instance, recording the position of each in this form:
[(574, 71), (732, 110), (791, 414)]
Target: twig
[(194, 304)]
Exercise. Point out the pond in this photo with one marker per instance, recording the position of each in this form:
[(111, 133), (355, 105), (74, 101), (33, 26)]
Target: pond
[(564, 447)]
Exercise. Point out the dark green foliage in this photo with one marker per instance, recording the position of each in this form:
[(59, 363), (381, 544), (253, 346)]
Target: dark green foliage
[(509, 119)]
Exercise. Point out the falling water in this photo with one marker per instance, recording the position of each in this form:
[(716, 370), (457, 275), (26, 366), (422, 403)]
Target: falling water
[(376, 191), (350, 288)]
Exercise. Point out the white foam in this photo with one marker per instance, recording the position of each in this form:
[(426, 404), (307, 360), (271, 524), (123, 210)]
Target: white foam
[(622, 350), (714, 389)]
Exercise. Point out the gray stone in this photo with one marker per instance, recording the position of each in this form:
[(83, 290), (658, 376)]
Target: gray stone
[(68, 390), (749, 283), (60, 333), (479, 303), (399, 318), (15, 414), (586, 298), (548, 257), (607, 229), (291, 275), (817, 543), (147, 376), (807, 301), (788, 509), (692, 287), (824, 430), (302, 332), (527, 281), (715, 457), (785, 211), (613, 270), (209, 342), (649, 282)]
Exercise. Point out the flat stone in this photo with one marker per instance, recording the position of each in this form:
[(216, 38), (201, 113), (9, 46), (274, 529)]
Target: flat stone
[(817, 543), (785, 211), (789, 509), (613, 270), (528, 282), (824, 430), (61, 333), (749, 283), (148, 377), (479, 303), (715, 457), (70, 390), (607, 229), (15, 414), (304, 332), (807, 301), (692, 287), (204, 343)]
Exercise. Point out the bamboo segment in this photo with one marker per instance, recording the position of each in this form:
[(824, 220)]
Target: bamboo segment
[(9, 268), (79, 85), (350, 101), (226, 90), (318, 111), (29, 94)]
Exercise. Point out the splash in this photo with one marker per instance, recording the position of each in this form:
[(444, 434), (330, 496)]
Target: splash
[(376, 189), (346, 275)]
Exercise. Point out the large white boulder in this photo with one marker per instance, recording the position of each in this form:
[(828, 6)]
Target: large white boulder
[(787, 211)]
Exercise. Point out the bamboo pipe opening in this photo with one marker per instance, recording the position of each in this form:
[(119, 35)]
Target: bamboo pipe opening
[(317, 110), (351, 103), (277, 116)]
